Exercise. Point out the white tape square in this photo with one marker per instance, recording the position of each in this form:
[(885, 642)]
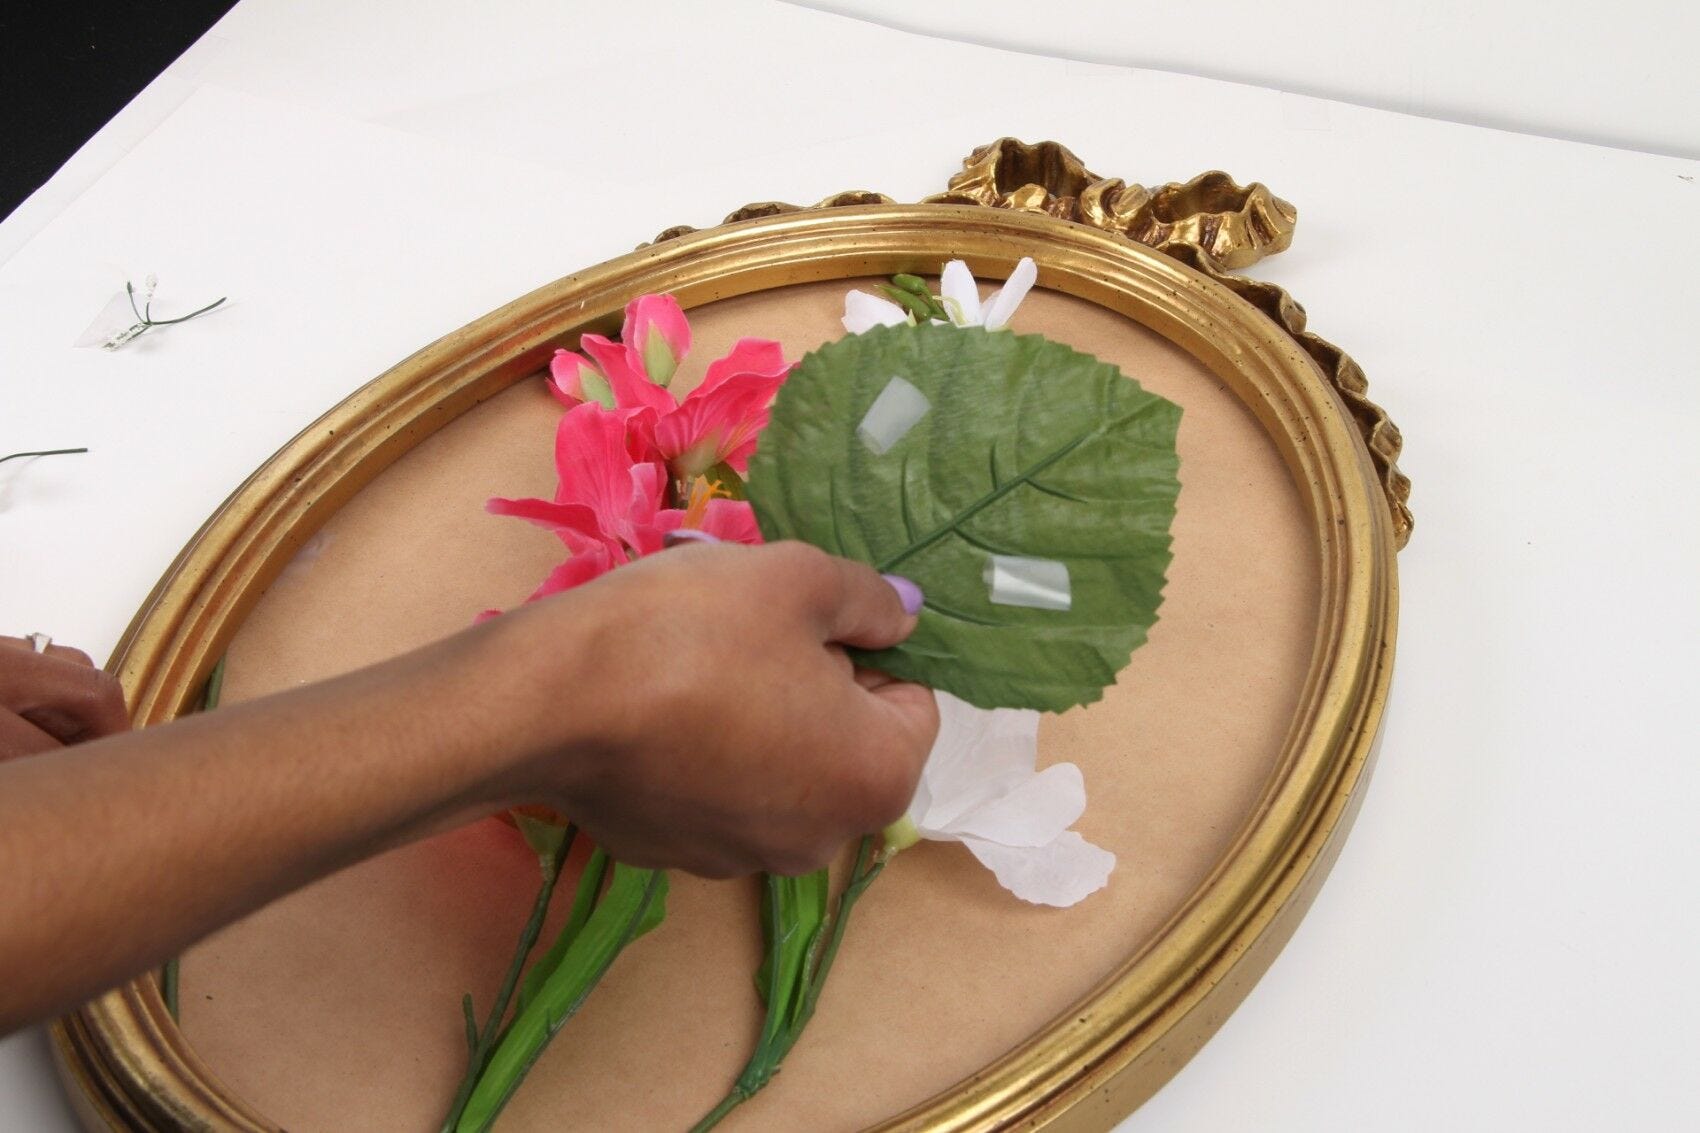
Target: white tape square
[(1040, 584)]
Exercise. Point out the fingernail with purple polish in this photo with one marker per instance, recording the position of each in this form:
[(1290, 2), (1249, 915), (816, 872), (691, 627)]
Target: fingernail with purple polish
[(687, 535), (907, 592)]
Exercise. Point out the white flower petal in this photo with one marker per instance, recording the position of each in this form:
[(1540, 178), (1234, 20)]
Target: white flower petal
[(979, 755), (957, 282), (1034, 813), (864, 312), (1061, 873), (1000, 306)]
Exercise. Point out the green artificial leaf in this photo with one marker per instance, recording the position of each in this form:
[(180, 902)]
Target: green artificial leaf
[(1028, 448), (793, 913), (634, 903), (801, 939), (584, 901), (730, 483)]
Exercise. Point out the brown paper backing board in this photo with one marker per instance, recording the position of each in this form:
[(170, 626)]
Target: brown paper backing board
[(337, 1008)]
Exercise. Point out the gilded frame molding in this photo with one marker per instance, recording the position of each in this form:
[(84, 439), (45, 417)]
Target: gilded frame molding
[(127, 1065)]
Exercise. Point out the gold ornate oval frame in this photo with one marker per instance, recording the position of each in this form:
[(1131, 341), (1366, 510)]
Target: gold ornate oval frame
[(124, 1059)]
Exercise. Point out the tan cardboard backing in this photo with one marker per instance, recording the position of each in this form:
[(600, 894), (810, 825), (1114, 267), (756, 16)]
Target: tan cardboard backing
[(337, 1008)]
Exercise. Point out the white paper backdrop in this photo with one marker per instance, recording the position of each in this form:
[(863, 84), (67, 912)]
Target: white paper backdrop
[(1505, 941)]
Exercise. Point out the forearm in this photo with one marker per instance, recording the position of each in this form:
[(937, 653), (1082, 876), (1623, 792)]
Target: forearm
[(186, 827), (692, 710)]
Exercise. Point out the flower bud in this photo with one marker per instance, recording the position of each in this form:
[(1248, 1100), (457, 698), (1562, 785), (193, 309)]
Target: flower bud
[(900, 835), (573, 379), (657, 335)]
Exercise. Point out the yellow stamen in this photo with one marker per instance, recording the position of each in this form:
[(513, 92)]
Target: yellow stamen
[(697, 494)]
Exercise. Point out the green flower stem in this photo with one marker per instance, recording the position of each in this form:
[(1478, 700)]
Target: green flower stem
[(43, 452), (868, 866), (215, 687), (170, 974), (145, 315), (923, 307), (791, 1001), (584, 902), (480, 1042), (631, 907)]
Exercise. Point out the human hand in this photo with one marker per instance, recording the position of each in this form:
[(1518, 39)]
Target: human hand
[(712, 720), (54, 698)]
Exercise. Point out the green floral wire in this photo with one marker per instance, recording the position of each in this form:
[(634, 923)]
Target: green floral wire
[(145, 315), (42, 452)]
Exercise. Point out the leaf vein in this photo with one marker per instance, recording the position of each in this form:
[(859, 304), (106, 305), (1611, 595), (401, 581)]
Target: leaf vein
[(997, 493)]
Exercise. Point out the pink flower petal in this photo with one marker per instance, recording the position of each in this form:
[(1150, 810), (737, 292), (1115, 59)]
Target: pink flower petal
[(658, 335), (748, 356), (719, 424), (624, 371), (733, 521), (594, 461), (572, 379), (730, 521), (575, 524), (576, 571)]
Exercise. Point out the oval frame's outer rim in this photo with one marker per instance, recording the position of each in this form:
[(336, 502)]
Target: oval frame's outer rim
[(126, 1064)]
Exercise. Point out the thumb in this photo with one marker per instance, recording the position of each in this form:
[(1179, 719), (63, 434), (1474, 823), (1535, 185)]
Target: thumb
[(871, 611)]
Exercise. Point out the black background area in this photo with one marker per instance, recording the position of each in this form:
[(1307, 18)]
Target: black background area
[(67, 68)]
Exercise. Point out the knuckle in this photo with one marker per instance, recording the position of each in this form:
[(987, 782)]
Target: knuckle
[(803, 558), (803, 562), (881, 795), (105, 690)]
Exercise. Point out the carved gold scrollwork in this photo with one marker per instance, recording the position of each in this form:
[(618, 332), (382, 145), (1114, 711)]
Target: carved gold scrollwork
[(1211, 223), (775, 208), (1237, 225), (1381, 436)]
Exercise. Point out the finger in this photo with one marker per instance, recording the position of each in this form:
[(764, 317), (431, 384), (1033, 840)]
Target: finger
[(20, 737), (25, 645), (913, 713), (68, 700), (895, 727), (75, 656), (868, 610), (871, 679)]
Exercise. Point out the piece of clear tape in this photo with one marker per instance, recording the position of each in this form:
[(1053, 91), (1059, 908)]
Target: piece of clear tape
[(894, 412), (115, 325), (1040, 584)]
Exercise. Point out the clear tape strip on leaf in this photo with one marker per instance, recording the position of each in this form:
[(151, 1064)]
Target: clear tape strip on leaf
[(894, 412), (1039, 584)]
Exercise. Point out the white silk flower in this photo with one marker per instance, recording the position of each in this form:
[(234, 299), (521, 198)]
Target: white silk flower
[(981, 787), (958, 293)]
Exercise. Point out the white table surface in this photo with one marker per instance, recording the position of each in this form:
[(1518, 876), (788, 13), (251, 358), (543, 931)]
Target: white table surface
[(1506, 941), (1613, 74)]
